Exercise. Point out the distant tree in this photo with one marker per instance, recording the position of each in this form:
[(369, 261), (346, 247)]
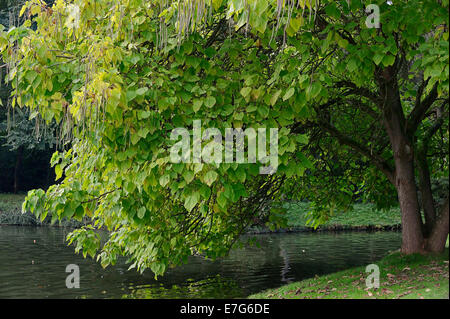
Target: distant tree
[(21, 135)]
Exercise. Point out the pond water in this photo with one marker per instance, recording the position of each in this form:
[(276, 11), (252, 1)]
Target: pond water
[(33, 262)]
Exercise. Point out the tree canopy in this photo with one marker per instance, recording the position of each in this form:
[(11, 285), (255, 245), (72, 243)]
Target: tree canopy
[(349, 101)]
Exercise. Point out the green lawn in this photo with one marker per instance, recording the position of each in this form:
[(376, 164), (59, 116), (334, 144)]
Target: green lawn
[(413, 276), (360, 215)]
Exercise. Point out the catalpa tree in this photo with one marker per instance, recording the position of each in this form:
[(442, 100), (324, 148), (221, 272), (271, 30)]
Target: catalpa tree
[(371, 97)]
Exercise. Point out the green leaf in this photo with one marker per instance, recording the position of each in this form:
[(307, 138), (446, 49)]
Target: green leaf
[(296, 23), (352, 65), (142, 115), (210, 177), (135, 138), (205, 191), (143, 132), (274, 97), (217, 4), (316, 87), (245, 91), (58, 172), (377, 58), (305, 162), (241, 175), (69, 210), (141, 91), (130, 95), (31, 75), (263, 111), (332, 10), (288, 93), (197, 104), (141, 212), (191, 201), (164, 180), (388, 60), (222, 200), (188, 176), (210, 101)]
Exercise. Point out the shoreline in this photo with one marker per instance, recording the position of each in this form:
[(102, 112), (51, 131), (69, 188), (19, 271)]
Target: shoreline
[(413, 276), (362, 217), (333, 228), (29, 220)]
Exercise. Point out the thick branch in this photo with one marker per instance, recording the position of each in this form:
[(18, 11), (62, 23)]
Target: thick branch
[(427, 195), (376, 159), (438, 236), (361, 91), (424, 172), (215, 33), (418, 113), (437, 124)]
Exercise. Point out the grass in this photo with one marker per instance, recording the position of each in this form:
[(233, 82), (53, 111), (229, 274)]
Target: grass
[(413, 276), (11, 202), (11, 211), (360, 215)]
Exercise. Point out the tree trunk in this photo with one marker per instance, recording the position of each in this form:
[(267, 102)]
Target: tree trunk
[(17, 169), (436, 242), (412, 237), (403, 152), (47, 177)]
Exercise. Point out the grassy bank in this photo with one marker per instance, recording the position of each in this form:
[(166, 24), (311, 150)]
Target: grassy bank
[(362, 216), (11, 213), (413, 276)]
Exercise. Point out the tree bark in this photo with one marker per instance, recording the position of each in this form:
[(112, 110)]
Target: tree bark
[(427, 196), (412, 237), (436, 242)]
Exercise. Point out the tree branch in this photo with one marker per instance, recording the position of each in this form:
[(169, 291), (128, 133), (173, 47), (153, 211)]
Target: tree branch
[(376, 159), (418, 113), (361, 91), (438, 236), (424, 171)]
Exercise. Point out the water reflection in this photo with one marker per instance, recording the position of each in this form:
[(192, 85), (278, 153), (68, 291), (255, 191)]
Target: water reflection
[(33, 261)]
